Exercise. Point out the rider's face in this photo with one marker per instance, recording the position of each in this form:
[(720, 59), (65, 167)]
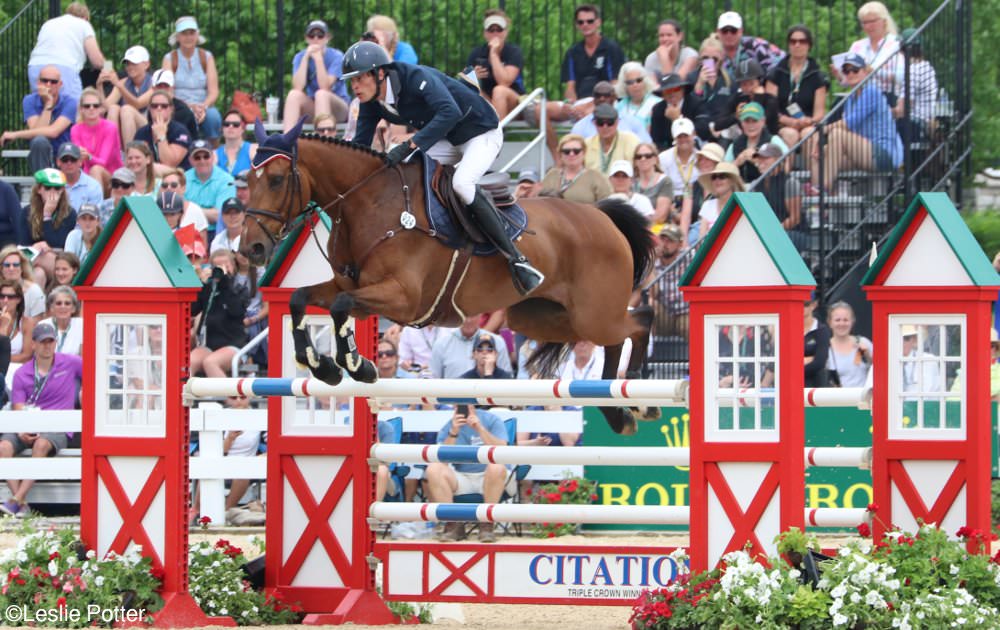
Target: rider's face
[(364, 86)]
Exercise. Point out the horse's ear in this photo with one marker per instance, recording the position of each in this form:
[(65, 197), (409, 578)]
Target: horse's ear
[(294, 133), (259, 131)]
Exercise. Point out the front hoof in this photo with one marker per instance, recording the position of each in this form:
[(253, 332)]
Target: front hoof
[(647, 414), (620, 420), (328, 371), (366, 372)]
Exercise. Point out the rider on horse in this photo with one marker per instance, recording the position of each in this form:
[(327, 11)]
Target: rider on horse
[(455, 126)]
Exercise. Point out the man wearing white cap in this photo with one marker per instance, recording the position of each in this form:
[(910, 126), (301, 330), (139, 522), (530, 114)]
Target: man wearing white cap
[(498, 65), (316, 85), (621, 186), (129, 96), (678, 162), (739, 47)]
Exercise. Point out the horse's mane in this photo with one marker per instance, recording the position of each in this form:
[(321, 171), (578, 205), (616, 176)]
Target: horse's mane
[(344, 143)]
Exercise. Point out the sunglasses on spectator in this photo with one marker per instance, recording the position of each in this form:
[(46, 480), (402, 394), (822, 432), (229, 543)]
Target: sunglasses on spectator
[(569, 151), (495, 29), (90, 105), (63, 304), (115, 184), (718, 176), (386, 353), (232, 123), (201, 155), (68, 159), (644, 156), (798, 40), (316, 35), (851, 70), (48, 81), (729, 30), (485, 348), (604, 122), (633, 81), (9, 265), (159, 105), (588, 21), (167, 185), (8, 296)]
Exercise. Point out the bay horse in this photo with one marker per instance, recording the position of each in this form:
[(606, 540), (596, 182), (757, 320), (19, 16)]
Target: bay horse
[(386, 263)]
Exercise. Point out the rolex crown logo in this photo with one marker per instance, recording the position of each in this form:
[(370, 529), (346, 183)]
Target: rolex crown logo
[(677, 432)]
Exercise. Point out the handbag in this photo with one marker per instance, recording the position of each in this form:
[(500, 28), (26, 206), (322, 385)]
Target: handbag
[(246, 104), (833, 376)]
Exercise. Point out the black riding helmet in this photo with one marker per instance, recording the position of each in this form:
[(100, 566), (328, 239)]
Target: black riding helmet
[(748, 70), (363, 57)]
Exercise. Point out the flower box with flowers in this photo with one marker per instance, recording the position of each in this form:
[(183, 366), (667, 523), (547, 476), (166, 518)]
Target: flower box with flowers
[(571, 490)]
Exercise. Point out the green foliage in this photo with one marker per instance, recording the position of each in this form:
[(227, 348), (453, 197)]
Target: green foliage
[(985, 226), (569, 491)]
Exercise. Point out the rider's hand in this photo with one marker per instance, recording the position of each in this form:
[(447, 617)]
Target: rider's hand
[(398, 153)]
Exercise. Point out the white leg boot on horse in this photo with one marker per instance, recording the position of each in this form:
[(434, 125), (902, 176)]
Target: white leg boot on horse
[(347, 356), (320, 365)]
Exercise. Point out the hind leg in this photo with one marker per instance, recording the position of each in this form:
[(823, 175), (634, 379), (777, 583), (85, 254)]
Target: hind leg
[(643, 317), (321, 366)]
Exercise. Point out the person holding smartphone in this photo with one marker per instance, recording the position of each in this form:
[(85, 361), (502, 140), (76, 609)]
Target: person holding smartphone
[(469, 427), (498, 65)]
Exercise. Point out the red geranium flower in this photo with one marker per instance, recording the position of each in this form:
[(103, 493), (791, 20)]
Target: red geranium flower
[(864, 531)]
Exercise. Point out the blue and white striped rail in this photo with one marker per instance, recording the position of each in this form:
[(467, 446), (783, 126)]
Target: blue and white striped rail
[(844, 457), (454, 391), (592, 514)]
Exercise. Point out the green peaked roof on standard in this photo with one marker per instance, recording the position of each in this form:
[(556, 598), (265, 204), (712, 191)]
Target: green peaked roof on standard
[(964, 249), (137, 243), (278, 258), (773, 243)]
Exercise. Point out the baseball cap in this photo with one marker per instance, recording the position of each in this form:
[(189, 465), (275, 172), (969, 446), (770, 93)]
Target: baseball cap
[(43, 331), (713, 152), (527, 175), (605, 112), (495, 20), (163, 76), (730, 19), (123, 175), (170, 202), (672, 232), (240, 181), (136, 54), (232, 204), (853, 59), (195, 247), (603, 88), (484, 339), (672, 81), (752, 110), (200, 145), (88, 208), (318, 25), (68, 149), (51, 177), (682, 126), (621, 166), (769, 150)]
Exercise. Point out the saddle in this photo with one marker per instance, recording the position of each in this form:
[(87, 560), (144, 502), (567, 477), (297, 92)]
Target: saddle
[(449, 218)]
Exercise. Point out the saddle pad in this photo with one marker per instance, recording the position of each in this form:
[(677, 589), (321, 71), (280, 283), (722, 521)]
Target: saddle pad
[(439, 217)]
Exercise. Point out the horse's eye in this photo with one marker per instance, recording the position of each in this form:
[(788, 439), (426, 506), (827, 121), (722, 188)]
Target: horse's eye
[(275, 181)]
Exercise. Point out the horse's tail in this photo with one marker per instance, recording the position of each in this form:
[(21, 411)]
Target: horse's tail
[(635, 227)]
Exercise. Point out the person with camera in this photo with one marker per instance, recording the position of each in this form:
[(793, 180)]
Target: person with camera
[(469, 427), (222, 304)]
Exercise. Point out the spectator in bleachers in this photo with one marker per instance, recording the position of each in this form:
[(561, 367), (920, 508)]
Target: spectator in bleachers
[(65, 268), (12, 301), (80, 187), (677, 103), (485, 357), (594, 58), (222, 304), (653, 183), (139, 160), (817, 345), (469, 427), (98, 140), (66, 43), (498, 64), (234, 154), (324, 124), (416, 346), (207, 184), (452, 354), (17, 267), (88, 227), (194, 215), (51, 380), (738, 47), (242, 188), (527, 184), (128, 96), (666, 291), (122, 185), (705, 160), (316, 85), (386, 34), (610, 144), (48, 115), (722, 182), (196, 79), (865, 137), (678, 165), (387, 360), (167, 139), (164, 80), (47, 221), (748, 76), (782, 192), (572, 180), (850, 355), (878, 47), (621, 187), (671, 55), (755, 134), (922, 94), (636, 92), (800, 86), (10, 213), (233, 218), (604, 92), (711, 84), (64, 316), (255, 318)]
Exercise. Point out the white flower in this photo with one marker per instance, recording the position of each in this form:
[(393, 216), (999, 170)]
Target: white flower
[(839, 620), (953, 569), (53, 567)]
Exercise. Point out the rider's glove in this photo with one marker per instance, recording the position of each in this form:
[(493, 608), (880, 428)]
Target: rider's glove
[(398, 153)]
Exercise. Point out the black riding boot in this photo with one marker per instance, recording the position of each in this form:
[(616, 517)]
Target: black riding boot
[(526, 278)]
